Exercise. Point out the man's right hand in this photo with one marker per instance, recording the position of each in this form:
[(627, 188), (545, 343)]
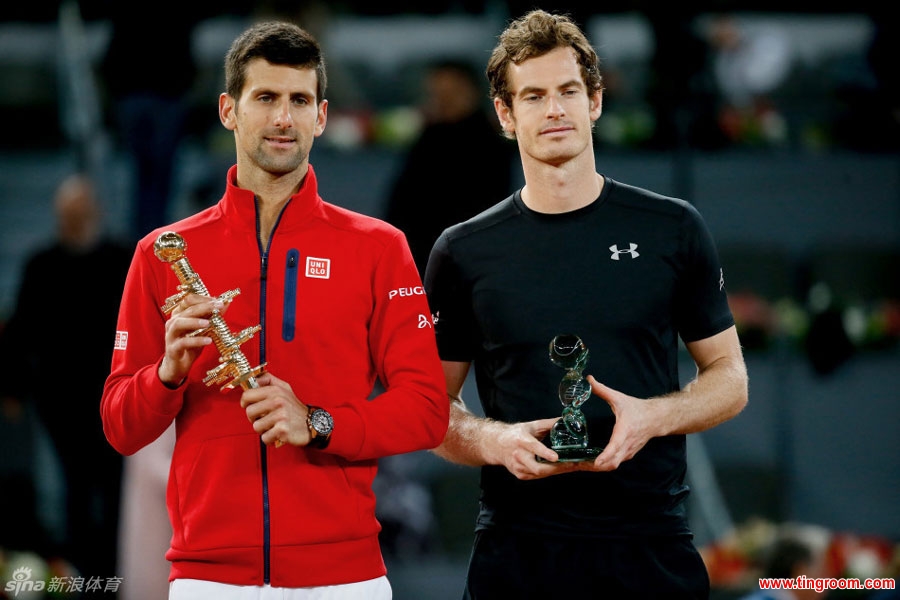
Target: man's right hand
[(189, 315), (516, 446)]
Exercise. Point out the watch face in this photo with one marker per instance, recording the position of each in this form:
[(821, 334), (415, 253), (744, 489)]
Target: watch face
[(321, 421)]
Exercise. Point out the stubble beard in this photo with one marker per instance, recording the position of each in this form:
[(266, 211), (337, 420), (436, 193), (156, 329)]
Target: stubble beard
[(561, 153), (279, 164)]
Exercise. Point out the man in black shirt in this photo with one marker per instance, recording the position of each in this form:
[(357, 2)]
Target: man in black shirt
[(628, 271)]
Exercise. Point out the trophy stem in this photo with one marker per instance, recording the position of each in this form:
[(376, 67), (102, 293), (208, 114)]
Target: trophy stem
[(569, 435), (170, 247)]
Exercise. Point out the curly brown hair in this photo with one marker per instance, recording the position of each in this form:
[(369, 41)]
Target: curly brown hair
[(535, 34)]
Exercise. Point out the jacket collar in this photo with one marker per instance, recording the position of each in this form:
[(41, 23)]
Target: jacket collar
[(239, 204)]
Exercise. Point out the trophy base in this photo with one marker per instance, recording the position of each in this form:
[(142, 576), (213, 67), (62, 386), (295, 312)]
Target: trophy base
[(574, 454)]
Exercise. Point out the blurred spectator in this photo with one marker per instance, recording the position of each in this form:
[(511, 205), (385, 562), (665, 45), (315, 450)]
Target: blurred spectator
[(750, 64), (147, 93), (790, 557), (57, 348), (682, 89), (459, 166), (870, 119)]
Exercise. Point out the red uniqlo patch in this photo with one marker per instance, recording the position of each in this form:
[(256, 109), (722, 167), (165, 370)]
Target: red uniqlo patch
[(318, 268), (121, 340)]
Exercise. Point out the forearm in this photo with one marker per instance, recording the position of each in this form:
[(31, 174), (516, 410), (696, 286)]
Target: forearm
[(468, 437), (717, 394)]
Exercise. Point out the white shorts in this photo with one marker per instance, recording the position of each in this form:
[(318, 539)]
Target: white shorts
[(197, 589)]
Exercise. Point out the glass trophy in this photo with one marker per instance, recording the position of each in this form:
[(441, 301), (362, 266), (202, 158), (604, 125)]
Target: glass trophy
[(569, 435)]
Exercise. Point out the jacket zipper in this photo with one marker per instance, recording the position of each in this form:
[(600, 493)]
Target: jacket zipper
[(263, 452), (263, 276)]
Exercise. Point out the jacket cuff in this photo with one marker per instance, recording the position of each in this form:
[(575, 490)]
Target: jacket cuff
[(349, 432)]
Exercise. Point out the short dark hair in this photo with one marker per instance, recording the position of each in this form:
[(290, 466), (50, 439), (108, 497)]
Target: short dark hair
[(276, 42), (457, 65), (536, 34), (785, 556)]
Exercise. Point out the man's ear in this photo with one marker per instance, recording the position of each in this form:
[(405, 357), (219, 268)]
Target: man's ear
[(596, 105), (321, 118), (226, 111), (504, 115)]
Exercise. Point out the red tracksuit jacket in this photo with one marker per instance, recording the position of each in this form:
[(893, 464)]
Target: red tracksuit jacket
[(341, 305)]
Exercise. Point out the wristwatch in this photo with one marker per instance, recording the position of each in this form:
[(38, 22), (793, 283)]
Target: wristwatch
[(321, 424)]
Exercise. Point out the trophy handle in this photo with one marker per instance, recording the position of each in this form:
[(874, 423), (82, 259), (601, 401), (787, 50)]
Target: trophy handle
[(171, 247)]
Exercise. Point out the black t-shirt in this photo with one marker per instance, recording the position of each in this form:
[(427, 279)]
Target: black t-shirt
[(629, 274)]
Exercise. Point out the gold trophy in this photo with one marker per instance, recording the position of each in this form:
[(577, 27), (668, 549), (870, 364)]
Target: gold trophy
[(170, 247)]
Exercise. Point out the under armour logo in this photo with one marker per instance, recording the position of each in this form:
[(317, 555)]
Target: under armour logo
[(632, 251)]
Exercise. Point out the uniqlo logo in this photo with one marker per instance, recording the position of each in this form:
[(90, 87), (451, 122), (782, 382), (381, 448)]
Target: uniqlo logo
[(121, 340), (318, 268)]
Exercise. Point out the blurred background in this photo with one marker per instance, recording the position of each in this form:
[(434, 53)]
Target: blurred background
[(779, 121)]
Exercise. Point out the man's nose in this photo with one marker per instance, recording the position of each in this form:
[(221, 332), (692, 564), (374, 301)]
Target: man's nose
[(283, 117), (554, 106)]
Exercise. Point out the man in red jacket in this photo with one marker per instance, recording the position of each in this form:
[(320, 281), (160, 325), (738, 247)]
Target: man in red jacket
[(270, 484)]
